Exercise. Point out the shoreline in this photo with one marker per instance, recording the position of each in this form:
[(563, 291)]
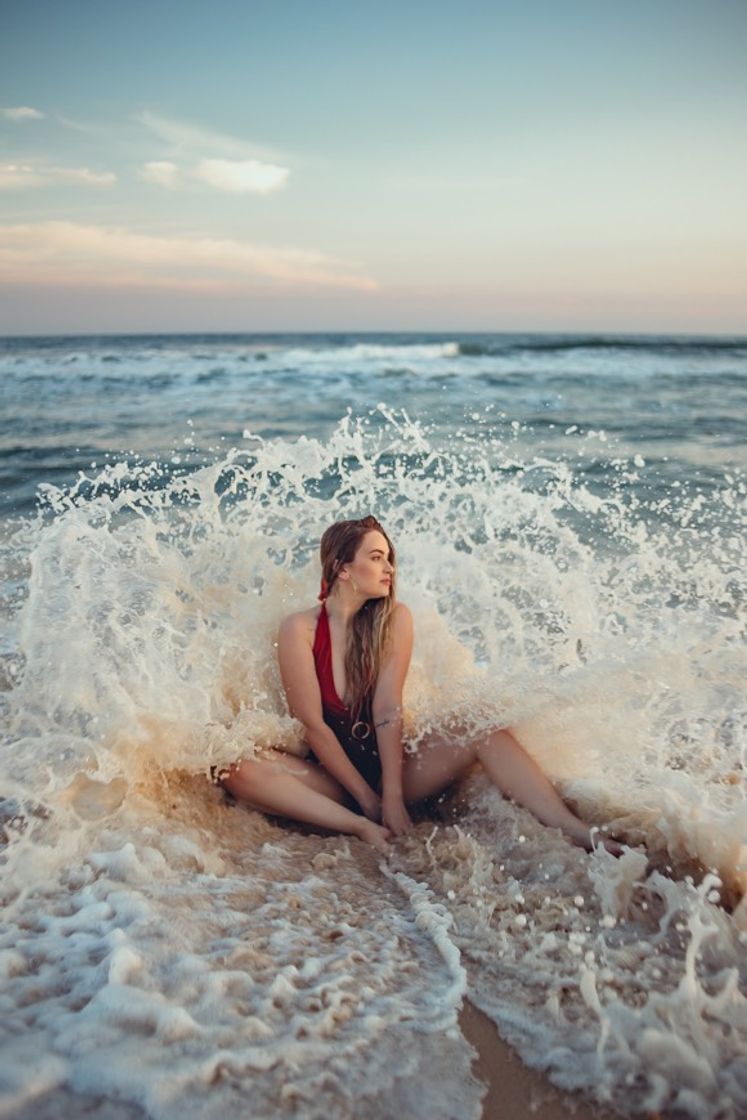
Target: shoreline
[(516, 1092)]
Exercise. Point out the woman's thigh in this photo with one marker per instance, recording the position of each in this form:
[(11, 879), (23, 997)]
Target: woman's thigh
[(440, 759), (312, 774)]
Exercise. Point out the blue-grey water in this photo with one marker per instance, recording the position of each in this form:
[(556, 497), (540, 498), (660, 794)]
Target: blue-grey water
[(680, 402), (569, 517)]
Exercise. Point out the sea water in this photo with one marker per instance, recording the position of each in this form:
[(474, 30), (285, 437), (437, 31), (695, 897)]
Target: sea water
[(568, 515)]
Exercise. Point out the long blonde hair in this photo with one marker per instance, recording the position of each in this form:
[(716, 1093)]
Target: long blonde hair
[(369, 632)]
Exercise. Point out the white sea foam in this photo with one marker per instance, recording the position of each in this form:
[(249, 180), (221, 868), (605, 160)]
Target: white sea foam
[(166, 953)]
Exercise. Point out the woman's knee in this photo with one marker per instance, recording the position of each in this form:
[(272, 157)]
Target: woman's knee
[(245, 777)]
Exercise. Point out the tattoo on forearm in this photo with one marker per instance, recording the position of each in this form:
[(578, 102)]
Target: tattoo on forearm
[(393, 717)]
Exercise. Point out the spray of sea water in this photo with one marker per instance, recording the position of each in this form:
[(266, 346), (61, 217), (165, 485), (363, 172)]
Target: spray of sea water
[(166, 952)]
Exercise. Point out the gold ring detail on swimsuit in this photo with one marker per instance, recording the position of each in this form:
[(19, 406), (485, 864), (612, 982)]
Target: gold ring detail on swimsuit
[(354, 730)]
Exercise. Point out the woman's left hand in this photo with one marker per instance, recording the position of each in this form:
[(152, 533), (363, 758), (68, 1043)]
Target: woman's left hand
[(394, 814)]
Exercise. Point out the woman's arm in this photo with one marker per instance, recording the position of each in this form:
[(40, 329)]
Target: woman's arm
[(387, 715), (301, 684)]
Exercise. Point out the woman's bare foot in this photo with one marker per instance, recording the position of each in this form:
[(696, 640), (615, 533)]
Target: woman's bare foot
[(375, 834)]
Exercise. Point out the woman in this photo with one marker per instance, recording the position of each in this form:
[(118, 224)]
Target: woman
[(343, 667)]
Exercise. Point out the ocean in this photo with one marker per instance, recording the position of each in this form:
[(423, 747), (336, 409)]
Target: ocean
[(568, 513)]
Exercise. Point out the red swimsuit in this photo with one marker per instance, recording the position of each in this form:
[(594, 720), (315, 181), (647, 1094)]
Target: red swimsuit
[(361, 747), (323, 662)]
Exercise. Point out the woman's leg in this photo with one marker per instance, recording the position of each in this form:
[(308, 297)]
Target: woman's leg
[(292, 787), (440, 760)]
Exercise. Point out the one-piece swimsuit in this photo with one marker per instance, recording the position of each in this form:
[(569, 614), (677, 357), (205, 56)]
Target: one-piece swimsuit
[(361, 747)]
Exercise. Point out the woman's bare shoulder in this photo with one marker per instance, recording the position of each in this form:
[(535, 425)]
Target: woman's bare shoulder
[(300, 623), (401, 622)]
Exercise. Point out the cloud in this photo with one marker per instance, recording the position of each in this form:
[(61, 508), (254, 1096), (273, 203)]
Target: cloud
[(163, 172), (14, 176), (241, 176), (183, 137), (69, 253), (83, 175), (235, 176), (213, 158), (22, 113), (81, 126)]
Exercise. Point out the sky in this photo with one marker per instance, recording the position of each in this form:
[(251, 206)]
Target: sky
[(303, 165)]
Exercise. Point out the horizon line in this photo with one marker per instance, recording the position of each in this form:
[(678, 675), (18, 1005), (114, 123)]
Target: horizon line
[(589, 333)]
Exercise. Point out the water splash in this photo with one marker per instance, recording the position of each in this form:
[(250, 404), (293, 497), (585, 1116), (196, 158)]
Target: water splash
[(606, 630)]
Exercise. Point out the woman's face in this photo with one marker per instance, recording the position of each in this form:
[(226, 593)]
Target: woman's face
[(371, 569)]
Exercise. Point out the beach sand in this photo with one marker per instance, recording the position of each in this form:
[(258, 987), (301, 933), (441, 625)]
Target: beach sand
[(514, 1090)]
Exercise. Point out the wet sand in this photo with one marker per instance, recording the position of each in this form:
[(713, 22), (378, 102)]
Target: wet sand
[(516, 1092)]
